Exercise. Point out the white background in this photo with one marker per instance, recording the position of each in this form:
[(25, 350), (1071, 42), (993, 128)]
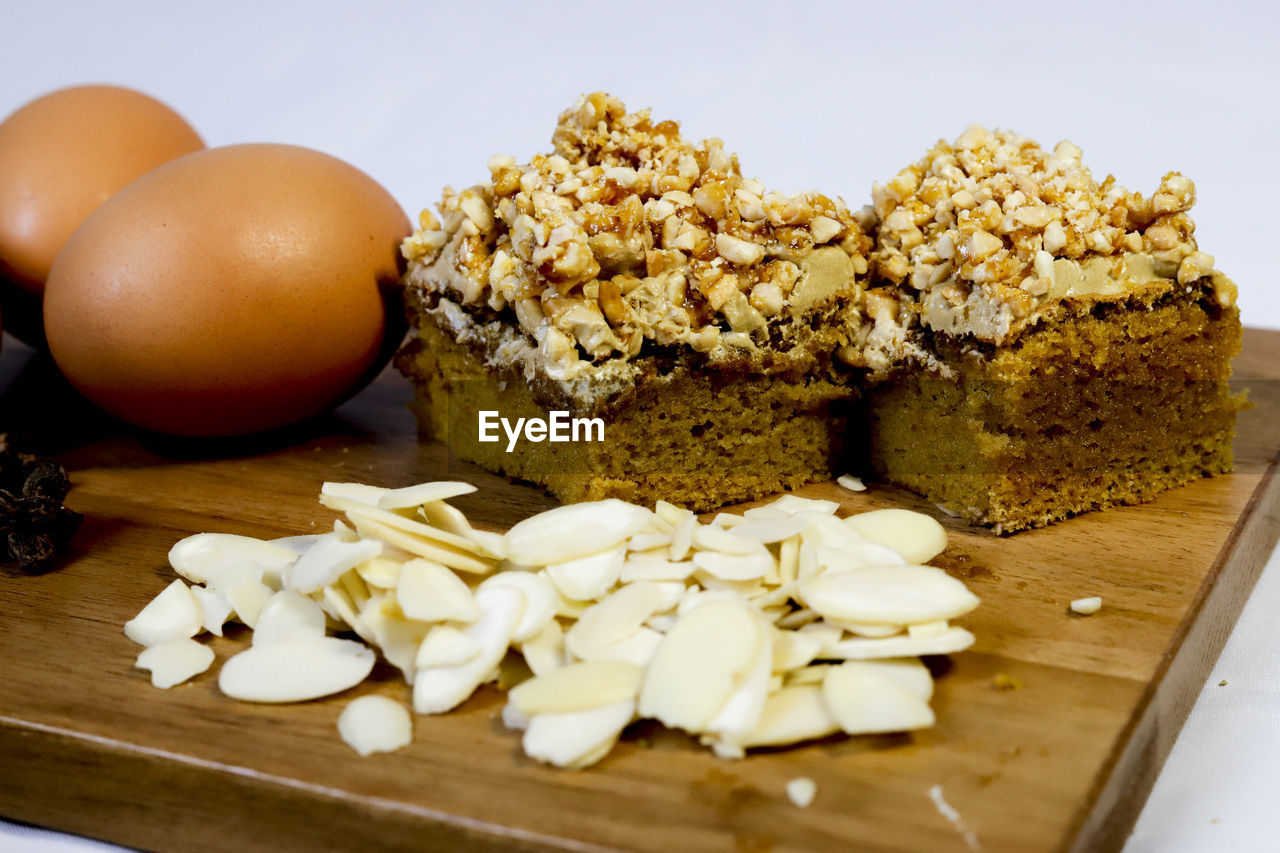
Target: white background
[(824, 97)]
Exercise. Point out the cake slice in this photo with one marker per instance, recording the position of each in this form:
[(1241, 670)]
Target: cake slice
[(638, 284), (1081, 341)]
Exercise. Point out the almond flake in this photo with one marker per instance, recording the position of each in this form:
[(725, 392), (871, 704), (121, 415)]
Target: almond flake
[(455, 558), (215, 607), (429, 592), (576, 738), (540, 600), (544, 652), (616, 617), (588, 577), (888, 595), (578, 687), (574, 531), (375, 724), (288, 615), (802, 790), (865, 700), (203, 557), (328, 560), (442, 688), (295, 670), (247, 600), (423, 493), (175, 661), (445, 645), (792, 715), (917, 537), (700, 661), (174, 614), (953, 640), (734, 567)]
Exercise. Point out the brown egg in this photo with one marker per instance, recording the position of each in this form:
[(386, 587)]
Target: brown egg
[(233, 290), (64, 154)]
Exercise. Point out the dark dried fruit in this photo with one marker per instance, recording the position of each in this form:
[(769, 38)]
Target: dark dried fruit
[(34, 524)]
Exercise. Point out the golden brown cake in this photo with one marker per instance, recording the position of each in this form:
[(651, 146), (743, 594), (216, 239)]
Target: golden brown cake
[(1083, 343), (637, 277), (998, 332)]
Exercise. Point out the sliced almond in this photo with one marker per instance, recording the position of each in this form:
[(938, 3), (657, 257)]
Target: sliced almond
[(354, 492), (862, 629), (514, 718), (616, 617), (845, 548), (671, 514), (710, 538), (788, 560), (416, 529), (928, 629), (589, 577), (734, 567), (372, 724), (544, 652), (790, 505), (575, 531), (423, 493), (576, 738), (216, 607), (682, 538), (654, 570), (337, 604), (888, 595), (646, 541), (741, 712), (381, 572), (578, 687), (445, 645), (953, 640), (769, 530), (398, 638), (295, 670), (866, 700), (911, 673), (174, 614), (442, 688), (916, 536), (540, 600), (429, 592), (247, 600), (287, 615), (175, 661), (455, 558), (450, 519), (792, 715), (700, 662), (328, 560), (794, 649), (203, 557), (638, 648)]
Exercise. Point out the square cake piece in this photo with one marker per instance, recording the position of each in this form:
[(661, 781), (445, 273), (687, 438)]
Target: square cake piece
[(636, 277), (1081, 344), (998, 331)]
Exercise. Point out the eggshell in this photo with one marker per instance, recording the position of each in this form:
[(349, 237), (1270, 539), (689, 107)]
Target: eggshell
[(61, 156), (233, 290)]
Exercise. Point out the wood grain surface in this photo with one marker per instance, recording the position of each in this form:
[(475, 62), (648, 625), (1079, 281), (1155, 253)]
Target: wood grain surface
[(1065, 762)]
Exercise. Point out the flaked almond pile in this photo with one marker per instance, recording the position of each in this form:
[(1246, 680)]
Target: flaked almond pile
[(777, 626)]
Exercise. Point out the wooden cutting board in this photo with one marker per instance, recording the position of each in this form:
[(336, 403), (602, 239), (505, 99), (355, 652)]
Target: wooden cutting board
[(1064, 762)]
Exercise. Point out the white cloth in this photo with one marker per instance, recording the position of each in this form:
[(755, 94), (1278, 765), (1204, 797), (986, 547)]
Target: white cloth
[(420, 94)]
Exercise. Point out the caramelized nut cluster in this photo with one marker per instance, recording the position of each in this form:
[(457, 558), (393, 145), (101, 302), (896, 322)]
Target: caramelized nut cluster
[(625, 233), (994, 210)]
